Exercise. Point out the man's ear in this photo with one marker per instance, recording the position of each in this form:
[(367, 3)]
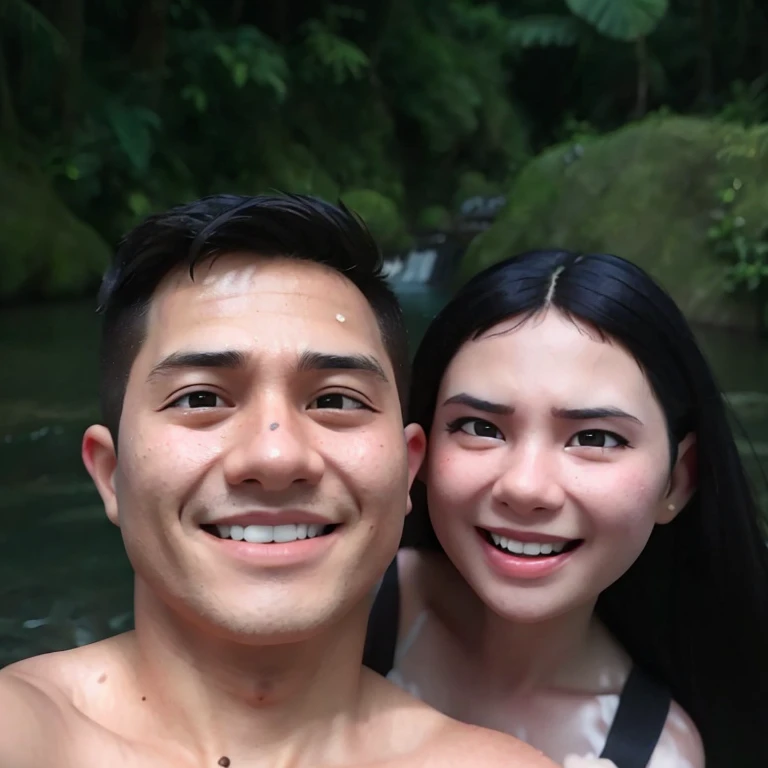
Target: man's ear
[(682, 482), (100, 459), (416, 446)]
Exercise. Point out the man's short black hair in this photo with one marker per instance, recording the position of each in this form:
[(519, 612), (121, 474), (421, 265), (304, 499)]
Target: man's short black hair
[(287, 226)]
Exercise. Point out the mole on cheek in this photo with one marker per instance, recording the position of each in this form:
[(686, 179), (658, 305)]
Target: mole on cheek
[(103, 677), (224, 762)]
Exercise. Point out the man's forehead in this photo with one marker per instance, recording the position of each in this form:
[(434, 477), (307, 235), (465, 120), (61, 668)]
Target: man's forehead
[(236, 290)]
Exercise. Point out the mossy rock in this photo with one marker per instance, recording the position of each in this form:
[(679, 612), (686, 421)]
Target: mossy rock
[(45, 251), (645, 192)]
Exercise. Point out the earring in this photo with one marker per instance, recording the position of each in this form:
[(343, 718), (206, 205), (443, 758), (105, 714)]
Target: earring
[(671, 507)]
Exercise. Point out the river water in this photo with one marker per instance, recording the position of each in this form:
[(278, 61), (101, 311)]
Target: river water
[(64, 577)]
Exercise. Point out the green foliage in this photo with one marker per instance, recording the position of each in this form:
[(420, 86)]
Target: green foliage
[(44, 250), (380, 215), (748, 103), (434, 218), (625, 20), (545, 31), (742, 247), (251, 57), (129, 109), (23, 18), (328, 53), (132, 128)]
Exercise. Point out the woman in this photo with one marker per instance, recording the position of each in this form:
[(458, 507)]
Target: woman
[(590, 575)]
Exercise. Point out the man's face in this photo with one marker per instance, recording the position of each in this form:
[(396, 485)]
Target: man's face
[(262, 470)]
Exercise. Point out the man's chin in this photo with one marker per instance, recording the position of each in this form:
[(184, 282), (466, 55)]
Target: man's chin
[(270, 625)]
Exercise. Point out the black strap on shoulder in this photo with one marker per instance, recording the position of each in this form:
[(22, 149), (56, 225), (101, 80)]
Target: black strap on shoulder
[(636, 729), (383, 624)]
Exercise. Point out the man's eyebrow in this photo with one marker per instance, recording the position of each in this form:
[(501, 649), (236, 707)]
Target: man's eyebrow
[(584, 414), (479, 405), (322, 361), (231, 359)]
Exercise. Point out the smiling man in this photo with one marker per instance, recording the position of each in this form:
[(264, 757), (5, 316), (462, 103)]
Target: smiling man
[(254, 456)]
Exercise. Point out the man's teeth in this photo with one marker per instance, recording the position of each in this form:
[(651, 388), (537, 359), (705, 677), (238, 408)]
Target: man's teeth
[(265, 534), (527, 547)]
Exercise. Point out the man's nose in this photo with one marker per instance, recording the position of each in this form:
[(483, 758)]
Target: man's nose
[(273, 448)]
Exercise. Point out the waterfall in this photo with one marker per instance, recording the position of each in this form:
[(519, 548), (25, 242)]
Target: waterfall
[(416, 267)]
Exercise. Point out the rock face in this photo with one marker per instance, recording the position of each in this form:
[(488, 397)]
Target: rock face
[(45, 251), (645, 192)]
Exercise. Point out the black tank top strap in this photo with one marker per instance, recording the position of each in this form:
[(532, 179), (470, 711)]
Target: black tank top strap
[(383, 624), (639, 721)]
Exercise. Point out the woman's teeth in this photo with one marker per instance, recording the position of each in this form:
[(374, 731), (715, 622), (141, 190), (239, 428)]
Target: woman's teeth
[(529, 548), (266, 534)]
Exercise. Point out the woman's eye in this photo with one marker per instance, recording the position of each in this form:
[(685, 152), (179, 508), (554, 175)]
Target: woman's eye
[(337, 402), (597, 438), (476, 428), (201, 399)]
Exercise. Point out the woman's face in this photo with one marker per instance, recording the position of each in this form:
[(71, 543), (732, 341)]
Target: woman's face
[(548, 465)]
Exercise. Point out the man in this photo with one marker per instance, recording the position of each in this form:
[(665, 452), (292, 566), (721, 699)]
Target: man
[(253, 454)]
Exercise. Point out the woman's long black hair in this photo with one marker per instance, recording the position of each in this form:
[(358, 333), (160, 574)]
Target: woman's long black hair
[(693, 609)]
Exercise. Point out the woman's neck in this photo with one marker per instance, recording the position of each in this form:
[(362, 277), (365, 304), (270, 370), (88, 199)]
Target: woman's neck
[(572, 650)]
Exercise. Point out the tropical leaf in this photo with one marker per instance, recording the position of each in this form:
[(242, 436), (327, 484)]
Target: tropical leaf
[(545, 31), (625, 20), (132, 128), (28, 19)]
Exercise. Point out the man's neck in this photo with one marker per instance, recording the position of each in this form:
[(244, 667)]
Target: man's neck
[(222, 698)]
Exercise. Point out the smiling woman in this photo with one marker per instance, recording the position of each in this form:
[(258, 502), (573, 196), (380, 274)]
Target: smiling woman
[(584, 548)]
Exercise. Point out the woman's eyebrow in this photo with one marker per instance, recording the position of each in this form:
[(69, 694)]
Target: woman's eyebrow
[(584, 414), (479, 405)]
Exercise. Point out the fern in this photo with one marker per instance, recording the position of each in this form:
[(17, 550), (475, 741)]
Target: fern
[(333, 53)]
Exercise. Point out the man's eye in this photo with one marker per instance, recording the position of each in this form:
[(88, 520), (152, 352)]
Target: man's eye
[(201, 399), (337, 402), (597, 438)]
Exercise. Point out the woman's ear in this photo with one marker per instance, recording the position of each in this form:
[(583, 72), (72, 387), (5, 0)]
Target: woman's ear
[(682, 482)]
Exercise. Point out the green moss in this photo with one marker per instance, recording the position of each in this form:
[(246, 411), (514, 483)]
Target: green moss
[(44, 249), (380, 215), (644, 192)]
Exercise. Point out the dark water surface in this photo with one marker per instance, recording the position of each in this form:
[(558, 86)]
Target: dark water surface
[(64, 577)]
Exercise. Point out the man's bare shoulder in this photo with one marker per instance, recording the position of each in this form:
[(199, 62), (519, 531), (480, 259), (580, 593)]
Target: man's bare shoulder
[(40, 702), (65, 672), (32, 716)]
